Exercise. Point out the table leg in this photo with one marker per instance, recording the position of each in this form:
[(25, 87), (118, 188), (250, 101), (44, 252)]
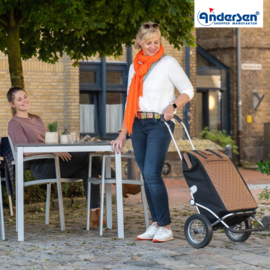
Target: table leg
[(119, 195), (59, 191), (20, 193), (108, 194)]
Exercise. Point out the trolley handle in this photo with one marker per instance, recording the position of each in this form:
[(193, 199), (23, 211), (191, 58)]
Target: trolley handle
[(178, 119), (186, 131), (175, 116)]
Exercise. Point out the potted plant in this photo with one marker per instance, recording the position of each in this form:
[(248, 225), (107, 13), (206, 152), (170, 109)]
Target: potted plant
[(64, 137), (52, 135)]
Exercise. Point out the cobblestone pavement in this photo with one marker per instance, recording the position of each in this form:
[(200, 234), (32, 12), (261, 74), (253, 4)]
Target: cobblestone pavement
[(46, 247)]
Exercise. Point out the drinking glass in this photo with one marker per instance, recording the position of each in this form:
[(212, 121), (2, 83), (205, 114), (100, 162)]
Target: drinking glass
[(74, 137)]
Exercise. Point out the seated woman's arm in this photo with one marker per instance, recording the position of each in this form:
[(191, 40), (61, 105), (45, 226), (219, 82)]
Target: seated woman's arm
[(65, 156), (17, 135)]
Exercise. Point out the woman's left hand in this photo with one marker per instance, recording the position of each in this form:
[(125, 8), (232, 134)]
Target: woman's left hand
[(65, 156), (168, 112)]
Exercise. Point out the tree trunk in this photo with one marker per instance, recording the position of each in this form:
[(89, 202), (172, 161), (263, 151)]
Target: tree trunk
[(14, 54)]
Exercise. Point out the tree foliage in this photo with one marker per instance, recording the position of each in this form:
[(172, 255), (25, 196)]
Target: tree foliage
[(81, 28)]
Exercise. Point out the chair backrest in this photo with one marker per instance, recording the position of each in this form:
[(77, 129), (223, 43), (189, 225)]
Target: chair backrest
[(12, 147)]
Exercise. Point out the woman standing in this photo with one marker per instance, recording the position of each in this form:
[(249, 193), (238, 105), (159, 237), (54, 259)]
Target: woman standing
[(28, 128), (148, 98)]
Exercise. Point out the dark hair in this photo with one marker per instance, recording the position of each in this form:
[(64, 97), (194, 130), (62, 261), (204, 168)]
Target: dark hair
[(11, 95)]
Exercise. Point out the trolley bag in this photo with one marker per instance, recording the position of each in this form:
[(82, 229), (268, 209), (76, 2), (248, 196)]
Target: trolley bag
[(220, 185), (219, 193)]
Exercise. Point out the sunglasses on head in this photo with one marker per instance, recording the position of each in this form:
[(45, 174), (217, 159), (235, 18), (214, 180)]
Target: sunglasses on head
[(148, 25)]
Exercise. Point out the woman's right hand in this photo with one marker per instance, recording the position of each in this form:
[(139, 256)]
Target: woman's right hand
[(119, 142), (65, 156)]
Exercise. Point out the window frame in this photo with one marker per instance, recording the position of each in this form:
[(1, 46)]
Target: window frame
[(101, 90), (93, 67)]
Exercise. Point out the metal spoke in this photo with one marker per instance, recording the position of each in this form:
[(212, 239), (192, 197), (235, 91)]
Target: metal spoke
[(237, 227), (196, 231)]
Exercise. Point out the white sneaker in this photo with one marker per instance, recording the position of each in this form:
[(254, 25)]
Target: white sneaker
[(149, 233), (163, 235)]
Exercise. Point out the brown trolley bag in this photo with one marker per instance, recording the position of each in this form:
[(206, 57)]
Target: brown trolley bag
[(220, 195), (220, 185)]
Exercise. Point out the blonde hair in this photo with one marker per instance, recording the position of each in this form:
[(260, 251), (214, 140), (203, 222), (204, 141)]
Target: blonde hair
[(145, 34)]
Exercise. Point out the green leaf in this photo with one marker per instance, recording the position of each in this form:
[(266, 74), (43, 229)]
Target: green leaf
[(220, 138), (83, 28), (52, 127)]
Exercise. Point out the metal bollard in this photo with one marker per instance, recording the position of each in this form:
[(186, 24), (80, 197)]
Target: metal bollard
[(228, 151)]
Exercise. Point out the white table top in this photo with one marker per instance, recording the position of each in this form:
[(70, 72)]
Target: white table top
[(61, 147), (61, 144)]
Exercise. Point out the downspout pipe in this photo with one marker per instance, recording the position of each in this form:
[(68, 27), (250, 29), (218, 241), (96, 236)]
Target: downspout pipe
[(103, 98), (239, 96), (187, 114)]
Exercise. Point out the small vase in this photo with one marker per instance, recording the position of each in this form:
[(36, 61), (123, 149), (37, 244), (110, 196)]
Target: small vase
[(64, 138), (51, 137)]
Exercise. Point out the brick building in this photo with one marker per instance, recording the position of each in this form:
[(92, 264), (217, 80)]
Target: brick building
[(98, 88), (255, 67), (69, 95)]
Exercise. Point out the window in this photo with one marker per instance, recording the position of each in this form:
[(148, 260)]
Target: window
[(88, 77), (102, 98), (88, 114), (114, 78)]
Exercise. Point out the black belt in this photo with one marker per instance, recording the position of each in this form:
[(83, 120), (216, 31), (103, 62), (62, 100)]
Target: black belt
[(148, 115)]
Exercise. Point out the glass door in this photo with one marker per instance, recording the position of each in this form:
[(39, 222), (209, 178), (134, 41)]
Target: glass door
[(214, 106), (208, 110)]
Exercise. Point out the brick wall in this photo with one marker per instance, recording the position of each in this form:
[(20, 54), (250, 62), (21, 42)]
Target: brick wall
[(53, 91), (193, 76), (72, 96)]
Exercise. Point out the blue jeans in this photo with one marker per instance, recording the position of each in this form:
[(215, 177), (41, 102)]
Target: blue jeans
[(151, 140), (77, 167)]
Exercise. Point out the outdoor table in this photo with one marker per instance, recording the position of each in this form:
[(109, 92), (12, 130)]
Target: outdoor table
[(20, 149)]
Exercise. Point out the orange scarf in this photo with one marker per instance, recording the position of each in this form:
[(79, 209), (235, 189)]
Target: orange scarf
[(141, 64)]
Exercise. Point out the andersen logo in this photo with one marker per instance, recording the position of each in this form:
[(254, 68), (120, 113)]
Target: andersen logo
[(211, 18)]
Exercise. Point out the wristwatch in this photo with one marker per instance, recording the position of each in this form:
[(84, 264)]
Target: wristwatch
[(174, 106)]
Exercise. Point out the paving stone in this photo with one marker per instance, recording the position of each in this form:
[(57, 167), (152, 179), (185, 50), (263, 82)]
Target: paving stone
[(252, 259), (266, 222), (76, 248)]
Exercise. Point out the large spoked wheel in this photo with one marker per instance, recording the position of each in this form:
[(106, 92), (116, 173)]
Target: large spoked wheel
[(198, 231), (240, 237)]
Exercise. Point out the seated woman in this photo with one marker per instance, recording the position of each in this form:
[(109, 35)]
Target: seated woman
[(29, 128)]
